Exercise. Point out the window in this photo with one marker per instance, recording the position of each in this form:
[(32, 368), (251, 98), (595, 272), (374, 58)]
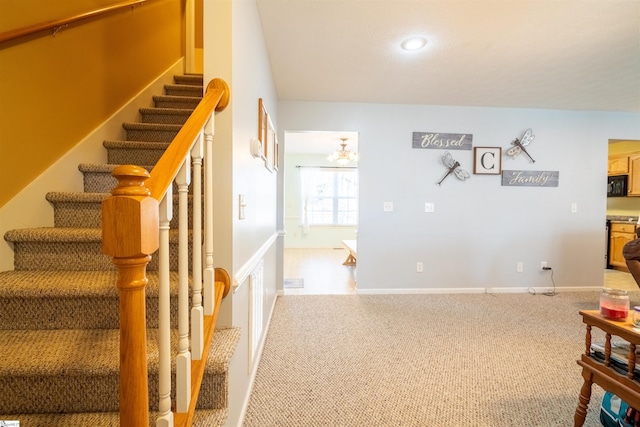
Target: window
[(329, 196)]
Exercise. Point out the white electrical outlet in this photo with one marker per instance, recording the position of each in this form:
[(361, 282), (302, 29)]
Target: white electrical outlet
[(519, 267), (419, 267), (543, 264), (387, 207), (429, 207)]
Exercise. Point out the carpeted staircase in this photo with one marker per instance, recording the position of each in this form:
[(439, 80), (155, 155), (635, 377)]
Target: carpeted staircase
[(59, 337)]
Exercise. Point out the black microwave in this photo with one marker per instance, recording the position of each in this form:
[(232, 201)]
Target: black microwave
[(617, 186)]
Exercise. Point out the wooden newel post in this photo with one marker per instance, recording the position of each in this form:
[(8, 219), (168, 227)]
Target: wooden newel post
[(130, 235)]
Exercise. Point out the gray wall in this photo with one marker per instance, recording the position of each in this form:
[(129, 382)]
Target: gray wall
[(480, 230), (234, 50)]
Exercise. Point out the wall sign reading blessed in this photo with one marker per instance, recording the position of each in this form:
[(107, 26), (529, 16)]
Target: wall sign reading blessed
[(450, 141), (530, 178)]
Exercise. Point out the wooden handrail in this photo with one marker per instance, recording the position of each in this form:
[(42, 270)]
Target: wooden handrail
[(216, 97), (59, 23)]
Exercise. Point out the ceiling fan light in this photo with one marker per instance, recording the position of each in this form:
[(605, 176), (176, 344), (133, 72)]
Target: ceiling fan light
[(413, 43)]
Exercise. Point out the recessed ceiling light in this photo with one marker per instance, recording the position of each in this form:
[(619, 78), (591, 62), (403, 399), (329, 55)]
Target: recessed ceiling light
[(413, 43)]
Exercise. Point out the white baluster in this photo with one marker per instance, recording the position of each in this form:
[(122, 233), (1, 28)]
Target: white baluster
[(165, 416), (209, 272), (197, 312), (183, 360)]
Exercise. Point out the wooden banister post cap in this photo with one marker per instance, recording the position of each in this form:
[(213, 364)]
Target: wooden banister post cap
[(130, 221), (218, 83)]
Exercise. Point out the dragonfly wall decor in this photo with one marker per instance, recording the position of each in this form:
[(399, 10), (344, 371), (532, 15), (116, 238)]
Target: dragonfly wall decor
[(519, 144), (454, 167)]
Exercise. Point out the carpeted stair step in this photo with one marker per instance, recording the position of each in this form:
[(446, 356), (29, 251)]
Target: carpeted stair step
[(151, 132), (59, 300), (79, 210), (202, 418), (97, 178), (165, 101), (134, 152), (84, 210), (49, 371), (165, 115), (75, 249), (183, 90), (189, 79)]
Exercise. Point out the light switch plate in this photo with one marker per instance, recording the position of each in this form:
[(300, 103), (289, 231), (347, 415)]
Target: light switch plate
[(242, 203)]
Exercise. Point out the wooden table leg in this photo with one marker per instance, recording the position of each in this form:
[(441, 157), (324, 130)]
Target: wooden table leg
[(583, 400), (350, 261)]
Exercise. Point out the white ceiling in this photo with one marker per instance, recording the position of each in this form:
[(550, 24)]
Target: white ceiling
[(550, 54)]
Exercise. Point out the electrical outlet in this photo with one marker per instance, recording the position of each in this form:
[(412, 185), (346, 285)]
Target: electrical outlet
[(543, 265), (419, 267), (519, 267), (387, 207)]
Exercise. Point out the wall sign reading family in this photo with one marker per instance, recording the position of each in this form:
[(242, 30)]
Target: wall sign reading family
[(530, 178), (450, 141)]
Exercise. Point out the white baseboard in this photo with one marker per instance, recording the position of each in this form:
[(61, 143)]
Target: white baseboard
[(256, 362), (511, 290), (29, 208)]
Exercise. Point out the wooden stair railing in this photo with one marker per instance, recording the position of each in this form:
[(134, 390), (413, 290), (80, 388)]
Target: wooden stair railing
[(58, 24), (135, 223)]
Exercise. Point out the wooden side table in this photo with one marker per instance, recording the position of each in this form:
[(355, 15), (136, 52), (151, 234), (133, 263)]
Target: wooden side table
[(352, 247), (602, 373)]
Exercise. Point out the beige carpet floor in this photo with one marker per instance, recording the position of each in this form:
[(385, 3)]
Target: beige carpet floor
[(424, 360)]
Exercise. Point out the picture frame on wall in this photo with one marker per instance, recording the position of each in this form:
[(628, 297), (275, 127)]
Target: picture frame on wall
[(263, 119), (270, 145), (275, 151), (487, 160), (268, 138)]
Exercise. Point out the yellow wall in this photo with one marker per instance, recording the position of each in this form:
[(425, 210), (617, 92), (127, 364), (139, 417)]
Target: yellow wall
[(619, 147), (55, 90)]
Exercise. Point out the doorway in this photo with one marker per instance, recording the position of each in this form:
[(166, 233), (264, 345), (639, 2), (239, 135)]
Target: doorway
[(320, 211), (623, 155)]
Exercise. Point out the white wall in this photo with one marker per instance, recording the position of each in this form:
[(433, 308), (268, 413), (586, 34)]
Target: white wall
[(480, 229), (234, 50), (317, 236)]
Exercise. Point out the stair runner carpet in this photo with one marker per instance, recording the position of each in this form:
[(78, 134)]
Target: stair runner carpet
[(59, 306)]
